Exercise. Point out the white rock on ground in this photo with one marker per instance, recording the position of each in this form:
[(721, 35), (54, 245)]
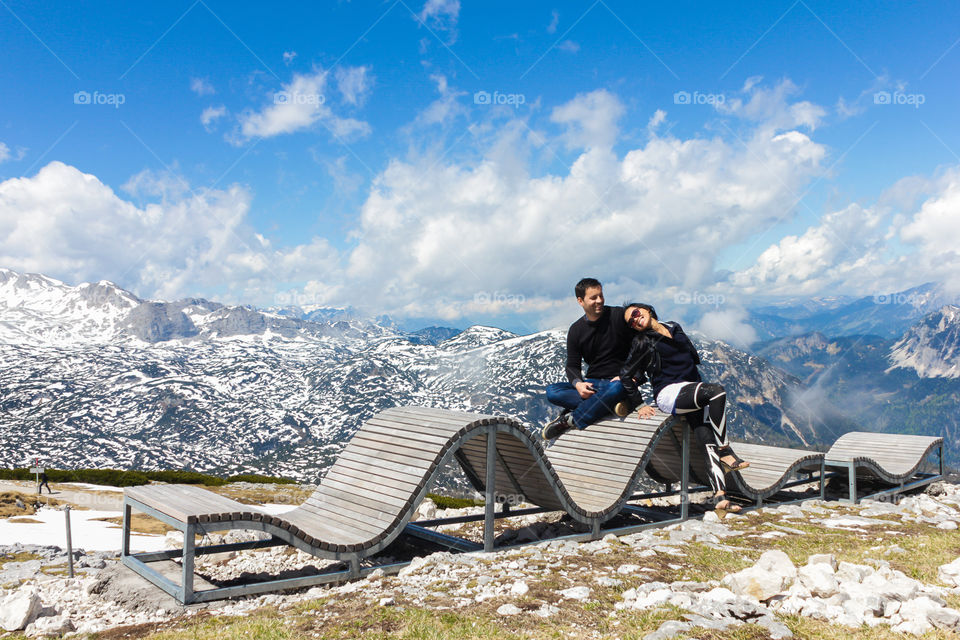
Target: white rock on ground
[(950, 573), (19, 609), (770, 576)]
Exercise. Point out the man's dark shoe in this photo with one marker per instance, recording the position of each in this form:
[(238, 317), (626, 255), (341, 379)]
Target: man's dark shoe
[(623, 408), (558, 427)]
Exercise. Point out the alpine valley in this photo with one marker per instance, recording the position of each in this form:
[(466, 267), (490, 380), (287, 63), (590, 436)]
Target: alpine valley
[(93, 376)]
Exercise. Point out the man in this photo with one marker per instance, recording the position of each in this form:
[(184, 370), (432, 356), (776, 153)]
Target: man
[(601, 338)]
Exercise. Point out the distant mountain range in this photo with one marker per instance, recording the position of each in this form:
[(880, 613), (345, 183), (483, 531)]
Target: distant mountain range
[(887, 315), (94, 376)]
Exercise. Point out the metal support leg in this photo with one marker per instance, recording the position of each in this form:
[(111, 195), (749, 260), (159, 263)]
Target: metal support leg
[(685, 473), (490, 494), (823, 483), (355, 567), (189, 544), (127, 523), (853, 483), (595, 529)]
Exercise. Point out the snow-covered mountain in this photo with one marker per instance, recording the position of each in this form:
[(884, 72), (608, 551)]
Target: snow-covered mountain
[(932, 346), (100, 378), (886, 315)]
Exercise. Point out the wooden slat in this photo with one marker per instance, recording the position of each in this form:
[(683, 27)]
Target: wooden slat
[(364, 458), (372, 452), (370, 495), (389, 488), (391, 444)]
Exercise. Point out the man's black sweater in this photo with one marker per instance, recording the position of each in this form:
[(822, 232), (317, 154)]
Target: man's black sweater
[(602, 344)]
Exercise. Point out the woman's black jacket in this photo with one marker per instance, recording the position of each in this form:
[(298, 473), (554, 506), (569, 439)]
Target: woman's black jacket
[(644, 362)]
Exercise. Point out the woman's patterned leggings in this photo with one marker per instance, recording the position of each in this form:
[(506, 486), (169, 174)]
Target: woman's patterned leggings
[(709, 398)]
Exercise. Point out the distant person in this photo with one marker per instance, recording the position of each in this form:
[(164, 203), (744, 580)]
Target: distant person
[(44, 483), (662, 353), (600, 338)]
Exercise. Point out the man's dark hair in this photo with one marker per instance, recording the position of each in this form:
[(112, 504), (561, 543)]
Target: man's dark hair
[(581, 289), (643, 305)]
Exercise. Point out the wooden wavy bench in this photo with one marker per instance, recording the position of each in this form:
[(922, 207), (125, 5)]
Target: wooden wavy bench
[(369, 495), (888, 458), (771, 469)]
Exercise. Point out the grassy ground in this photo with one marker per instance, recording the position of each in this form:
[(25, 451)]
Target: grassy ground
[(9, 508), (442, 614)]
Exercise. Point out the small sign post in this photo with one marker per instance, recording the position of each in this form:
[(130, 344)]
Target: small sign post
[(37, 469), (66, 513)]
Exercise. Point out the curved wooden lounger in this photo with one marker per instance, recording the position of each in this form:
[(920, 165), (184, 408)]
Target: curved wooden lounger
[(369, 495), (771, 468), (890, 458)]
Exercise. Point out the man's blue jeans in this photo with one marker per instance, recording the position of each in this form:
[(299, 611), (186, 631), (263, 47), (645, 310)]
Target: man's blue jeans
[(586, 412)]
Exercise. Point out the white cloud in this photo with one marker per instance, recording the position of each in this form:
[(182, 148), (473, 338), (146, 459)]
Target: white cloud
[(442, 15), (289, 57), (439, 236), (300, 104), (569, 46), (657, 216), (554, 21), (772, 107), (4, 152), (445, 108), (659, 117), (729, 325), (855, 249), (69, 225), (210, 115), (354, 83), (201, 87), (590, 119)]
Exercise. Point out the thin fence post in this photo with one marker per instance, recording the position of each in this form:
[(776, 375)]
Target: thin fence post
[(66, 513)]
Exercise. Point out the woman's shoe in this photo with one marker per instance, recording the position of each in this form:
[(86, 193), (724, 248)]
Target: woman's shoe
[(738, 464)]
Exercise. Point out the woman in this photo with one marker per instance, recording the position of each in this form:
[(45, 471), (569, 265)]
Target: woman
[(662, 352)]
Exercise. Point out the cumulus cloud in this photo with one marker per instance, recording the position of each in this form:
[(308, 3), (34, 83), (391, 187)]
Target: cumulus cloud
[(590, 119), (201, 87), (445, 108), (486, 233), (210, 115), (855, 248), (68, 224), (659, 215), (354, 84), (300, 104), (442, 15), (771, 106), (729, 325)]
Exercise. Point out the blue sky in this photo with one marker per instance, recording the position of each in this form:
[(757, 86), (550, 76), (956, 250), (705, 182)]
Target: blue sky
[(467, 162)]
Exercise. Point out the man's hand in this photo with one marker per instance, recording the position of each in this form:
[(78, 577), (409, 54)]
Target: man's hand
[(646, 411), (585, 389)]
